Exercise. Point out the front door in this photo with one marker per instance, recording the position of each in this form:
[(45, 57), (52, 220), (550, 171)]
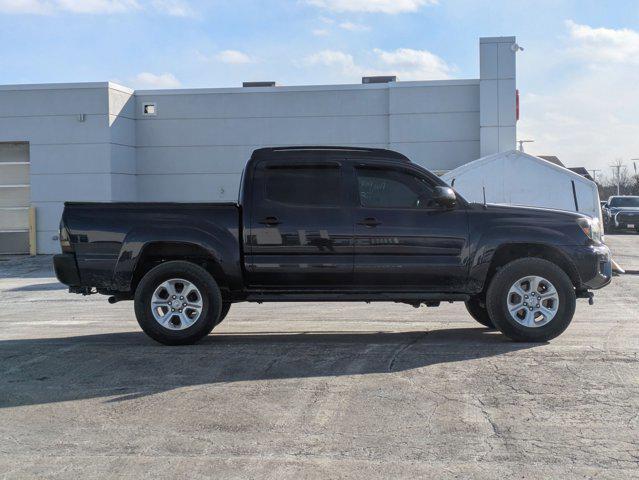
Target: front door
[(301, 233), (403, 239)]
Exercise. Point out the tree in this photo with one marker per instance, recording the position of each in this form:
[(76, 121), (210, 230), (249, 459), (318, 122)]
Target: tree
[(634, 184), (628, 182), (621, 178)]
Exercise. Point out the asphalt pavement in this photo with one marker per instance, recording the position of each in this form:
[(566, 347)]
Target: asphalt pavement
[(314, 390)]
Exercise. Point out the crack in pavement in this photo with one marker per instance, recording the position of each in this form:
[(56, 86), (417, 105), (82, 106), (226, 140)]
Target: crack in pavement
[(403, 349)]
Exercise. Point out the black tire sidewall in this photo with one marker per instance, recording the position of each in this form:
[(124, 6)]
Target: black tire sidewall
[(507, 276), (226, 306), (479, 313), (211, 300)]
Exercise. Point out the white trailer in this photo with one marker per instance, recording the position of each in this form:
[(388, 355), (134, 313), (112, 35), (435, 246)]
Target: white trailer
[(516, 178)]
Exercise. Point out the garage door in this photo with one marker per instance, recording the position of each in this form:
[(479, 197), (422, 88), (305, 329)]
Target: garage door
[(14, 198)]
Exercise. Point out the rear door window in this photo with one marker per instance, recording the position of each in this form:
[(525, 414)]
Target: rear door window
[(303, 185)]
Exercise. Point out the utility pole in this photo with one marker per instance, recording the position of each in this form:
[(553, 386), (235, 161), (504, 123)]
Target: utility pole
[(618, 164), (521, 144), (594, 174)]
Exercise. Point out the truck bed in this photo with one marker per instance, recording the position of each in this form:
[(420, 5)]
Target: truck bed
[(108, 239)]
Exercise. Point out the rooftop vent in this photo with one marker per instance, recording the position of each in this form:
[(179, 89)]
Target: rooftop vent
[(379, 79), (258, 84)]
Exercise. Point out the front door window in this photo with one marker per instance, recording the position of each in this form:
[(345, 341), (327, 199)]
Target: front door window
[(380, 188)]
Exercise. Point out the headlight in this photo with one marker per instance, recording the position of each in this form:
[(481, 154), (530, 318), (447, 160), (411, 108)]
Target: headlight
[(591, 227)]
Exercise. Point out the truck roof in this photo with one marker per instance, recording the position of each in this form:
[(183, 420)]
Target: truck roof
[(352, 151)]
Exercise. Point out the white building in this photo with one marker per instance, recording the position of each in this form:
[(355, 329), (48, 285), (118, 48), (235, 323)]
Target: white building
[(104, 142)]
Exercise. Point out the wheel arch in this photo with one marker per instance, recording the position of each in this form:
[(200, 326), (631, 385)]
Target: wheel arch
[(157, 252), (506, 253)]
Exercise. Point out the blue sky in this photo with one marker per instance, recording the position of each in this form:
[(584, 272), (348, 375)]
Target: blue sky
[(578, 75)]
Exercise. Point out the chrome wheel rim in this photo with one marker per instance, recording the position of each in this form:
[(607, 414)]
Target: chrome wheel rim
[(532, 301), (176, 304)]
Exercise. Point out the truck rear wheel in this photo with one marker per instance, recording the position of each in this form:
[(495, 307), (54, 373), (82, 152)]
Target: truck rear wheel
[(479, 312), (178, 303), (531, 300)]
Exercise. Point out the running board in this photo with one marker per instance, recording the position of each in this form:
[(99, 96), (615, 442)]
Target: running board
[(404, 297)]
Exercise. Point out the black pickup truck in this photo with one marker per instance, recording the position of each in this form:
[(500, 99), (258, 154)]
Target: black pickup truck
[(621, 212), (334, 224)]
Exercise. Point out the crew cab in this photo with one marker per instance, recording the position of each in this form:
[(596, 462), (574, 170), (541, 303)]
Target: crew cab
[(621, 212), (317, 224)]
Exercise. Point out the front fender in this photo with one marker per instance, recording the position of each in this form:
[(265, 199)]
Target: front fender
[(487, 244)]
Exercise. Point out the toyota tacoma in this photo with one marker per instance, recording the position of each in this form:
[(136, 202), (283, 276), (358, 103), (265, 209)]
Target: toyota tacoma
[(316, 224)]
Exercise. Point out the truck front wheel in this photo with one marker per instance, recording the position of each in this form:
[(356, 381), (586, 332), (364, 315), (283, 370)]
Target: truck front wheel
[(531, 300), (479, 312), (178, 303), (226, 306)]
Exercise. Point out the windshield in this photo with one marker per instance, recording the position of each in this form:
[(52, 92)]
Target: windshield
[(624, 202)]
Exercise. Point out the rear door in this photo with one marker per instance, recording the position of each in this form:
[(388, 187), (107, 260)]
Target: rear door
[(300, 235), (403, 239)]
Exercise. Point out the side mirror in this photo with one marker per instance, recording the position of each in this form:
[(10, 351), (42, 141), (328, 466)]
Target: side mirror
[(445, 196)]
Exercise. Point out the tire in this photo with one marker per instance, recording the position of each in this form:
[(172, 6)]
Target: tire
[(207, 296), (226, 306), (499, 296), (479, 312)]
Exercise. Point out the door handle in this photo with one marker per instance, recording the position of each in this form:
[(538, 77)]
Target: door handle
[(370, 222), (270, 221)]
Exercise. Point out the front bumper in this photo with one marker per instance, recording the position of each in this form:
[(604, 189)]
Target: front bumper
[(596, 267), (66, 269), (624, 219), (593, 264)]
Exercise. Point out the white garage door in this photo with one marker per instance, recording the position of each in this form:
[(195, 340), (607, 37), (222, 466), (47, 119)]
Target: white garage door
[(14, 198)]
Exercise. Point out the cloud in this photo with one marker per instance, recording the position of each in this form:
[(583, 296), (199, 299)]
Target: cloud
[(151, 80), (321, 32), (47, 7), (372, 6), (353, 27), (97, 6), (234, 57), (411, 64), (603, 44), (175, 8), (94, 7), (35, 7), (585, 123), (590, 119), (405, 63), (344, 62)]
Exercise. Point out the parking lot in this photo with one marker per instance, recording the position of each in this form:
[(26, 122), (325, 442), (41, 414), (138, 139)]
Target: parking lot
[(314, 391)]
